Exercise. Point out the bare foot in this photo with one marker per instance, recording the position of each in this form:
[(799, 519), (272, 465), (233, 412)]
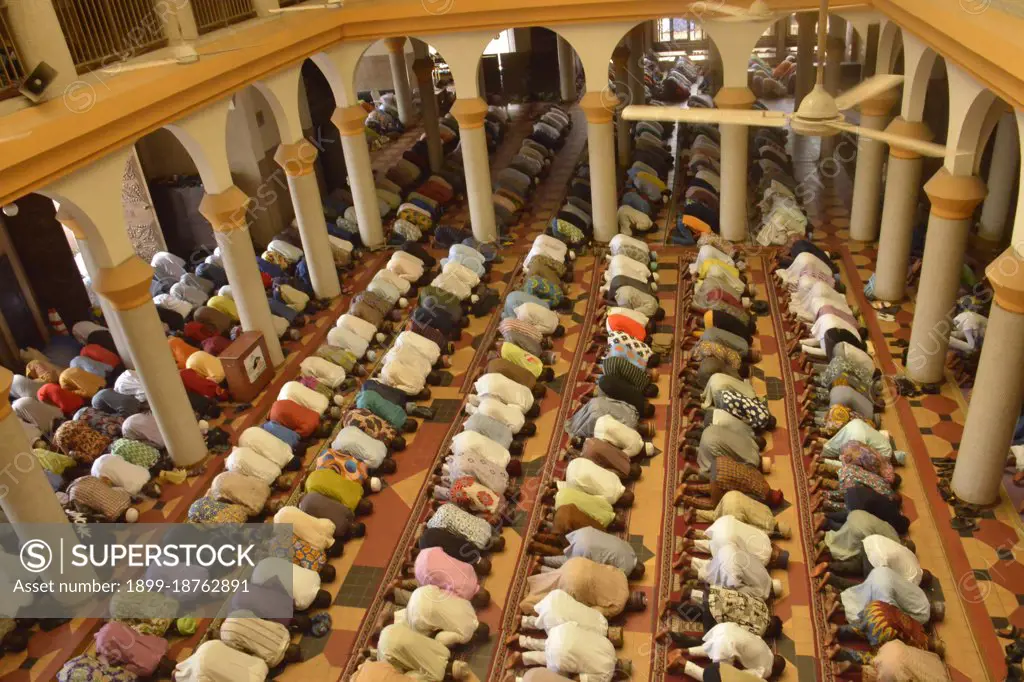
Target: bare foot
[(513, 660)]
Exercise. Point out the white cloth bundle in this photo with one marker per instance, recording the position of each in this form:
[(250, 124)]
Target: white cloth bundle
[(291, 253), (343, 337), (452, 284), (326, 371), (266, 444), (358, 325), (542, 318), (317, 532), (248, 462), (168, 302), (592, 478), (121, 473), (215, 661), (305, 396), (492, 407), (406, 266), (611, 430), (504, 388), (462, 272), (305, 583), (293, 298), (129, 383), (421, 344), (403, 285), (473, 443)]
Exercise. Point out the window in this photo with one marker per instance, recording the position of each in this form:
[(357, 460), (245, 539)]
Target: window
[(679, 30), (503, 44), (101, 33), (11, 69)]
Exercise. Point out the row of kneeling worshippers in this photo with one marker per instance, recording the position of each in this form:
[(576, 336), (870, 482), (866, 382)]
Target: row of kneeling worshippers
[(578, 585), (647, 189), (475, 491), (723, 614), (673, 84), (515, 184), (881, 604), (256, 638), (417, 195)]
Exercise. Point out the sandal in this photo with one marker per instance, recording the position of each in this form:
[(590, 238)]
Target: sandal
[(961, 523)]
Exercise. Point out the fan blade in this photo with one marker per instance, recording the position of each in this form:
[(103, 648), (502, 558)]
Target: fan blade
[(301, 8), (932, 149), (638, 112), (872, 87), (700, 8), (138, 66)]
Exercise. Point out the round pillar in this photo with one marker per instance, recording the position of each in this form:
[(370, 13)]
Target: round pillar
[(400, 79), (998, 388), (623, 141), (805, 46), (734, 164), (423, 67), (954, 199), (566, 71), (227, 213), (126, 286), (867, 181), (27, 496), (899, 206), (297, 161), (349, 122), (470, 114), (113, 326), (1002, 175), (599, 108)]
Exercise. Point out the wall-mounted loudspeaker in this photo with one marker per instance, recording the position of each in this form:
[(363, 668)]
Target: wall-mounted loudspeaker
[(36, 83)]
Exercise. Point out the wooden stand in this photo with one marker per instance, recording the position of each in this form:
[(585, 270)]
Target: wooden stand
[(247, 366)]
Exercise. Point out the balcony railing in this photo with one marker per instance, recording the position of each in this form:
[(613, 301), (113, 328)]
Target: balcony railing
[(11, 68), (213, 14), (100, 32)]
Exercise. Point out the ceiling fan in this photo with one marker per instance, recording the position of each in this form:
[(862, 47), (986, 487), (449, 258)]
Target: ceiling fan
[(330, 4), (818, 115), (182, 54)]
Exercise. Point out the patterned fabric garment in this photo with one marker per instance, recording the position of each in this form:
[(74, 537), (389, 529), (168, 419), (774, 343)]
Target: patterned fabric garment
[(299, 552), (634, 350), (728, 474), (338, 356), (108, 425), (570, 232), (856, 453), (854, 476), (86, 668), (480, 468), (837, 417), (460, 522), (466, 492), (370, 424), (135, 452), (881, 622), (76, 439), (345, 465), (543, 289), (317, 385), (617, 366), (753, 411), (732, 606), (523, 329), (209, 510), (709, 349)]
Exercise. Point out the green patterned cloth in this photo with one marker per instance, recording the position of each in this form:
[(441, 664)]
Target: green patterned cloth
[(136, 452)]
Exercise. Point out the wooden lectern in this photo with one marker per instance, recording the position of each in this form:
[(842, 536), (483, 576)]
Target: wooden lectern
[(247, 366)]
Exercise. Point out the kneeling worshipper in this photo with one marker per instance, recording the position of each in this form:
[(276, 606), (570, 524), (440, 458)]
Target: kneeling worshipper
[(701, 610), (734, 568), (728, 643), (572, 650), (744, 509), (589, 543), (417, 655), (431, 611), (558, 608), (600, 586)]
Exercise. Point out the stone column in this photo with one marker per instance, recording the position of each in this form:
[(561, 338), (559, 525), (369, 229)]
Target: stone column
[(902, 184), (423, 67), (27, 496), (998, 388), (126, 286), (470, 114), (297, 161), (599, 108), (400, 79), (623, 141), (227, 213), (635, 66), (954, 199), (1002, 174), (867, 181), (806, 40), (566, 70), (735, 161), (349, 122), (111, 321)]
